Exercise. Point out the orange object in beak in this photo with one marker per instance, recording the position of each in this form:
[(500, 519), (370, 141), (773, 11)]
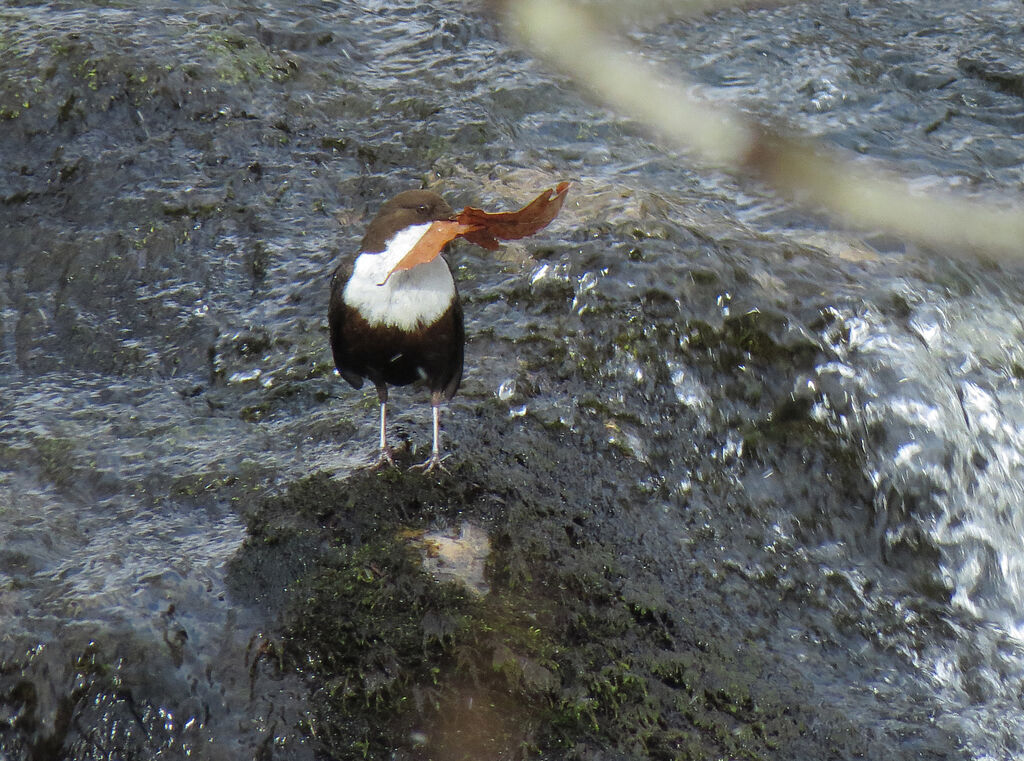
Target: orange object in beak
[(430, 244), (485, 228)]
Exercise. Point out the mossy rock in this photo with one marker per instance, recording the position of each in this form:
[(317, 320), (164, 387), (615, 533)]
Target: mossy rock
[(569, 655)]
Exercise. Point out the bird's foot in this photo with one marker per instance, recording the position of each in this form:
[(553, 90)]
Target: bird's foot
[(385, 460), (432, 462)]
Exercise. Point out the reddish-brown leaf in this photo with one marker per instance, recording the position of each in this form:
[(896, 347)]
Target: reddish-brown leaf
[(512, 225), (427, 248)]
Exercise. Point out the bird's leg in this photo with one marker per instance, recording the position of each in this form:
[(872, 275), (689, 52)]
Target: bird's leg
[(385, 457), (434, 461)]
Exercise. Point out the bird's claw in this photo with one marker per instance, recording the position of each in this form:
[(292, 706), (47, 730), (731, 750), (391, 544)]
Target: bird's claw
[(432, 462), (385, 460)]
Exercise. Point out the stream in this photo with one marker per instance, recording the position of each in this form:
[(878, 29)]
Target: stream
[(752, 481)]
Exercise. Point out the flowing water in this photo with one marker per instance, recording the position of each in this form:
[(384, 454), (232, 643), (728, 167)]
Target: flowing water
[(177, 184)]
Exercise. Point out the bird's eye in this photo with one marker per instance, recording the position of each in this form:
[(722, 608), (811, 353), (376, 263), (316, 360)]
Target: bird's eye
[(423, 209)]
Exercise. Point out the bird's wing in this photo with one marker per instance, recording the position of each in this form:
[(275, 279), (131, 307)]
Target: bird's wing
[(337, 315)]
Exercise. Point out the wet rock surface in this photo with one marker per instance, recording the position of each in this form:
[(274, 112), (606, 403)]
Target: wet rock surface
[(748, 480)]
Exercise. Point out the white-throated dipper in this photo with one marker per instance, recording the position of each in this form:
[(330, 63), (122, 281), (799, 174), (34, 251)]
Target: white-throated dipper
[(398, 327)]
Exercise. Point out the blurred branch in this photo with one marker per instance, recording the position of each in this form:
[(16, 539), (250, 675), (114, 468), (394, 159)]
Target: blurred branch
[(646, 13), (569, 37)]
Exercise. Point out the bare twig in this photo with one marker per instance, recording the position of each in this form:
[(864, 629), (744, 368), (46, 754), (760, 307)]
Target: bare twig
[(870, 197)]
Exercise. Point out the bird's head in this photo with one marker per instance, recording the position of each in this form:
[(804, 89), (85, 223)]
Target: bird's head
[(417, 206)]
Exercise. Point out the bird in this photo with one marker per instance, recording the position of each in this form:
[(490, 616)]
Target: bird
[(398, 327)]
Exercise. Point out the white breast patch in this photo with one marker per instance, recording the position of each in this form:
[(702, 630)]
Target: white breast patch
[(409, 299)]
